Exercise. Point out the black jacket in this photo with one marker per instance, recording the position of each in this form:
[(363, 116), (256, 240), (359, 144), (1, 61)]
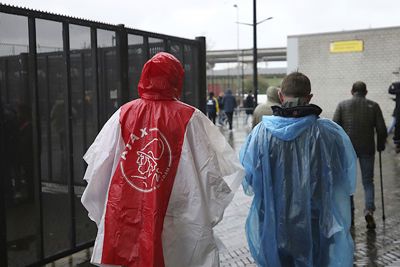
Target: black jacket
[(359, 117), (249, 104), (394, 89)]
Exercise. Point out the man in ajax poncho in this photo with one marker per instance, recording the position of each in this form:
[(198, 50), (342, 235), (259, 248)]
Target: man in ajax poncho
[(301, 170), (159, 177)]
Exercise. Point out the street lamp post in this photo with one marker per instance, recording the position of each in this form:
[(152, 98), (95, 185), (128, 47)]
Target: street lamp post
[(240, 92), (254, 24), (255, 70)]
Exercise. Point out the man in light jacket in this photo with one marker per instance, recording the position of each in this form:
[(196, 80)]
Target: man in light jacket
[(265, 109)]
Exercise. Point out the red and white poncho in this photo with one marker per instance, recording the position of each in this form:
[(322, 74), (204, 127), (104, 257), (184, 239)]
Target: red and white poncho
[(159, 175)]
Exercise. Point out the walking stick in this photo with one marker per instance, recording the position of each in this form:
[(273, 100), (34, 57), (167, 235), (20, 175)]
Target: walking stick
[(380, 168)]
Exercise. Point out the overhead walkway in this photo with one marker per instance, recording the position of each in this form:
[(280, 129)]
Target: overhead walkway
[(246, 55)]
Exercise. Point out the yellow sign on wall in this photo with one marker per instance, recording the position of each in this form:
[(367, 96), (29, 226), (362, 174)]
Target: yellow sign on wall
[(346, 46)]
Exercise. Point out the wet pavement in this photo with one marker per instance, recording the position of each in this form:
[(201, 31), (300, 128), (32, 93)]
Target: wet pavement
[(372, 248)]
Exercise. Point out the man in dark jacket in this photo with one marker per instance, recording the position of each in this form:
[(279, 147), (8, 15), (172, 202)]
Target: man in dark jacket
[(212, 107), (394, 89), (249, 105), (229, 103), (359, 117)]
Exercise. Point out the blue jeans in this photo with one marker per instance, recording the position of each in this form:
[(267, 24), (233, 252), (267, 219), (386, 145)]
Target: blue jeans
[(367, 175), (389, 130)]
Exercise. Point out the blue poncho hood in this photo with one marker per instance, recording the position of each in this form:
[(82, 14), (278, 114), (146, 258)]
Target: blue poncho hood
[(288, 128), (301, 172)]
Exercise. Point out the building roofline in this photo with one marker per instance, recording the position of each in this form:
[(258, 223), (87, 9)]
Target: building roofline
[(344, 31)]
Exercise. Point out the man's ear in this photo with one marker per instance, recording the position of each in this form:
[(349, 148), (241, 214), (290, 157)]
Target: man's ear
[(366, 92), (281, 98), (309, 98), (352, 92)]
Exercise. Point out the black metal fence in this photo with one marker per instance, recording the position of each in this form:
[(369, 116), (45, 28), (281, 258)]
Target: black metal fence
[(60, 80)]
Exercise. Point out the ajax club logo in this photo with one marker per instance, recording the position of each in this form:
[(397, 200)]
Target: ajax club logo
[(146, 160)]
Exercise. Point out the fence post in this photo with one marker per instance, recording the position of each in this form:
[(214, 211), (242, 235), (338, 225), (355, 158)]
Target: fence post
[(201, 95), (36, 133), (123, 63), (69, 139), (3, 230)]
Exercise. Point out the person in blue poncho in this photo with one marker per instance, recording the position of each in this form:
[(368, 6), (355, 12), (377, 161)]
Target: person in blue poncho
[(301, 170)]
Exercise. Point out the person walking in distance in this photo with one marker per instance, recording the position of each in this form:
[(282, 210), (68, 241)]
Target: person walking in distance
[(221, 114), (212, 107), (394, 89), (249, 106), (265, 108), (229, 103), (301, 170), (360, 118)]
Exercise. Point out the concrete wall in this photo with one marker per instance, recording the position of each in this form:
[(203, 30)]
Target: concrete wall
[(332, 74)]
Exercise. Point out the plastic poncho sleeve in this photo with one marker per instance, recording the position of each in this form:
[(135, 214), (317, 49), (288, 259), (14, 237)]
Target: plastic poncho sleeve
[(219, 167), (347, 157), (101, 158), (249, 157), (260, 233), (208, 175)]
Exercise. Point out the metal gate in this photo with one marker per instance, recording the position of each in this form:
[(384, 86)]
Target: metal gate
[(61, 78)]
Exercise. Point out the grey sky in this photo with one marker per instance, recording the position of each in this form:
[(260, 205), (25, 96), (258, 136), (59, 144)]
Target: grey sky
[(215, 19)]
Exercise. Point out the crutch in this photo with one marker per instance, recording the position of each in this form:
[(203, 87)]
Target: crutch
[(380, 168)]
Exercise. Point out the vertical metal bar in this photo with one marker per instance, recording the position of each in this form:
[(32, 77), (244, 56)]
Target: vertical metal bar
[(6, 81), (83, 98), (201, 94), (182, 56), (183, 96), (122, 59), (167, 46), (212, 80), (242, 75), (68, 127), (33, 83), (3, 222), (48, 120), (23, 58), (3, 87), (146, 47), (103, 90), (255, 74), (181, 53), (95, 76)]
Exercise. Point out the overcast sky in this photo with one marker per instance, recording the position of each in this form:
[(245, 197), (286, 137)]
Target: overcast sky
[(216, 19)]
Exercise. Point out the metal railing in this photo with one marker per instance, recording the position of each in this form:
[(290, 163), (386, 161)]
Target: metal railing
[(61, 78)]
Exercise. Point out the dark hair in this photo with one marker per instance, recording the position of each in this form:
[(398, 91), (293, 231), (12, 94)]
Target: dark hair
[(211, 94), (296, 84), (359, 87)]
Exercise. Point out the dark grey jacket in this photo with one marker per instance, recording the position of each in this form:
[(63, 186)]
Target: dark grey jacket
[(359, 117)]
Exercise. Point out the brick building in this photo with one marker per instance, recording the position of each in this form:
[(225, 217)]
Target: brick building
[(334, 61)]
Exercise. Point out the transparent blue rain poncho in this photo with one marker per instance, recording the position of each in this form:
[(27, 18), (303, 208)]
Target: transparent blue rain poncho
[(300, 215)]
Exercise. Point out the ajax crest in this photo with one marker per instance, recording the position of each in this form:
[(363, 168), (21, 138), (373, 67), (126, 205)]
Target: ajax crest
[(146, 160)]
